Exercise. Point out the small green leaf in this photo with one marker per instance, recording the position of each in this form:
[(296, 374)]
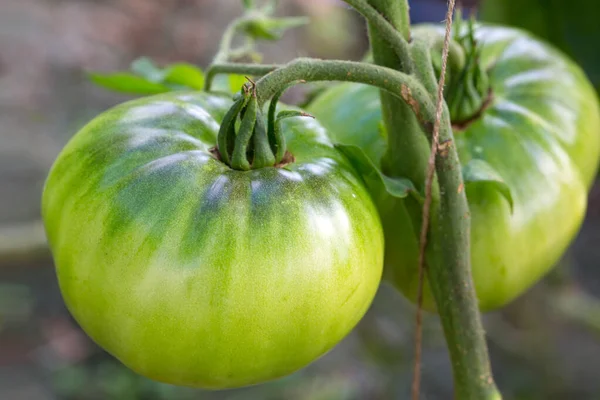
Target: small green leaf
[(396, 187), (127, 83), (273, 28), (479, 172), (179, 75), (248, 4), (184, 74), (236, 82), (145, 68)]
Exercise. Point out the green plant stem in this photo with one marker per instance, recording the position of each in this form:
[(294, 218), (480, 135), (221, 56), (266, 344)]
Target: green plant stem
[(450, 277), (456, 54), (396, 12), (227, 38), (450, 270), (403, 86), (406, 142), (449, 253), (422, 57), (392, 37), (235, 68)]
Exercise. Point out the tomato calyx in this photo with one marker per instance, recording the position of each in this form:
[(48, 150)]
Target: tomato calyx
[(246, 140), (469, 91), (287, 159), (461, 125)]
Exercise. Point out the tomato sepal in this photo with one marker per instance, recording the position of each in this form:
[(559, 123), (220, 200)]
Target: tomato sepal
[(479, 172)]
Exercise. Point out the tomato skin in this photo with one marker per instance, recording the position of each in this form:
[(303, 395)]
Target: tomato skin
[(195, 274), (541, 132)]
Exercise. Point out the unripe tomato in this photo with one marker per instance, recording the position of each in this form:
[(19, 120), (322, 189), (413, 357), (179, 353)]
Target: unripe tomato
[(196, 274), (541, 134)]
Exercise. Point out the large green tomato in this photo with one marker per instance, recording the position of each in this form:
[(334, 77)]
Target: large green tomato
[(195, 274), (541, 133)]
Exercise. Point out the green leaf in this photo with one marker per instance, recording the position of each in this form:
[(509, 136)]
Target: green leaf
[(180, 74), (236, 82), (127, 83), (184, 74), (147, 78), (273, 28), (479, 172), (396, 187), (145, 68)]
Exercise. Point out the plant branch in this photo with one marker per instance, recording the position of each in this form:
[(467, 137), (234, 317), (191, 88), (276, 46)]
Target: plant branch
[(396, 12), (456, 54), (227, 39), (422, 57), (405, 87), (407, 146), (387, 31), (235, 68), (450, 272), (449, 252), (450, 279)]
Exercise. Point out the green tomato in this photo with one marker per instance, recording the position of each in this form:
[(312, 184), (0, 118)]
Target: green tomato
[(195, 274), (540, 133)]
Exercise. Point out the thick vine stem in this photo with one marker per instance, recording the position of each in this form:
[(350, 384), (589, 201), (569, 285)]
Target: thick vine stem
[(401, 125), (396, 12), (403, 86), (450, 272), (448, 254), (236, 68), (422, 57), (395, 39), (451, 280), (456, 54)]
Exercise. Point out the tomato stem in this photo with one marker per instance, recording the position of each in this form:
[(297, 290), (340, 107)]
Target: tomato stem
[(227, 38), (391, 33), (407, 145), (456, 53), (405, 87)]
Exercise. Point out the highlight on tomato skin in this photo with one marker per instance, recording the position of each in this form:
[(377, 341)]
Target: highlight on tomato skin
[(539, 131), (196, 274)]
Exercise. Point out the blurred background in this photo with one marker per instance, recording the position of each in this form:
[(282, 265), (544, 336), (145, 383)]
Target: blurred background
[(546, 345)]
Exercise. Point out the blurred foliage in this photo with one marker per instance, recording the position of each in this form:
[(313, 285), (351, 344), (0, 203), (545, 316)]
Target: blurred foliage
[(572, 26), (147, 78)]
